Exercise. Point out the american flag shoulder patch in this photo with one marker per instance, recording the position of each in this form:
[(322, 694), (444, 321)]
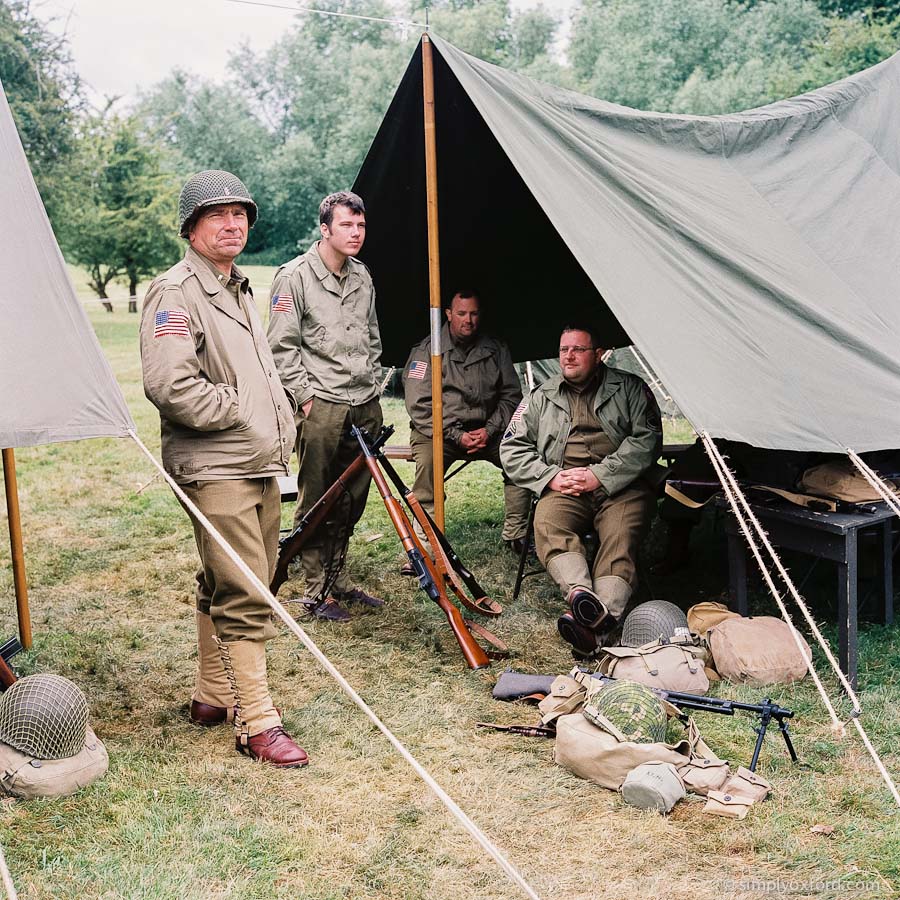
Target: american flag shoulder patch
[(282, 303), (418, 369), (513, 426), (171, 321)]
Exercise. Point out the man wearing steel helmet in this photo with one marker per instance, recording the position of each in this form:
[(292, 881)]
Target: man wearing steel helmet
[(324, 336), (227, 432), (583, 443)]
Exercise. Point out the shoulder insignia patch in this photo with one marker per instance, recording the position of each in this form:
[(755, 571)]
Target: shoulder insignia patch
[(171, 321), (417, 369), (654, 419), (513, 427), (283, 303)]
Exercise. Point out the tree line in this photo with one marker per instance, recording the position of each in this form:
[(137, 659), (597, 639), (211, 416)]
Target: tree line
[(297, 120)]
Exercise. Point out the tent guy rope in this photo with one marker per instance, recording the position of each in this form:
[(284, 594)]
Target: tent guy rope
[(477, 834), (733, 493), (8, 885)]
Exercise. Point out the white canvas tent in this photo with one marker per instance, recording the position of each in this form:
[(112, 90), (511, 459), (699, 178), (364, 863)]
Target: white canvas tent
[(55, 383)]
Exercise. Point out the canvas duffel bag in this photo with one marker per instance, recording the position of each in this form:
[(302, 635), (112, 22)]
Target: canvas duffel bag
[(668, 667), (26, 777), (602, 756), (757, 650)]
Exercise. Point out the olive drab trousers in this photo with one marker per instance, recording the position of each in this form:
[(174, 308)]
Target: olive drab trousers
[(247, 513), (517, 501), (325, 448), (620, 522)]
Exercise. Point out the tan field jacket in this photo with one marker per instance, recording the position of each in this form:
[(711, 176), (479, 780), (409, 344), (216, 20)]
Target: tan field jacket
[(323, 330), (209, 371)]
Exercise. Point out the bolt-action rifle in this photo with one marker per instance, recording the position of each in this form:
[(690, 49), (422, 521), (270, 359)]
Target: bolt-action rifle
[(436, 570)]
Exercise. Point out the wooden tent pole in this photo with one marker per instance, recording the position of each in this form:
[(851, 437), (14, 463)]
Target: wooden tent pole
[(434, 282), (16, 547)]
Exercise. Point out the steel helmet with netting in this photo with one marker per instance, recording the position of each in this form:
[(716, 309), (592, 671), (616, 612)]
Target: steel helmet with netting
[(655, 620), (631, 708), (45, 716), (212, 188)]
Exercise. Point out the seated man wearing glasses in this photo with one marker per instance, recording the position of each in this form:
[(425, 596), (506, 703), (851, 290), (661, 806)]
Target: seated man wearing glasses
[(582, 442)]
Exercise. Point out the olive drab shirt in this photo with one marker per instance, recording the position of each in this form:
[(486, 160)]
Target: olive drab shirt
[(323, 330), (480, 386), (209, 371), (534, 445)]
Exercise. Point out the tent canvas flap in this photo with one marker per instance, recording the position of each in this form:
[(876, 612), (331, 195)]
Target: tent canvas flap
[(751, 257), (55, 383)]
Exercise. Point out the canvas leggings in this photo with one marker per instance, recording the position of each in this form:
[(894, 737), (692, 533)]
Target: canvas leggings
[(620, 522), (247, 513), (325, 448)]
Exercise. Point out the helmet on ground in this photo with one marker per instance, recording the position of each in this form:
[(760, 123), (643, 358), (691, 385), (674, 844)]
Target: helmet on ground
[(211, 188), (654, 620), (45, 716), (631, 707)]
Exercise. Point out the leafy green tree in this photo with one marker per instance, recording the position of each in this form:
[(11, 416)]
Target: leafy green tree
[(44, 95), (122, 206)]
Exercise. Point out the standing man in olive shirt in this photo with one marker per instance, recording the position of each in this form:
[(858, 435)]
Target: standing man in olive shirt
[(323, 332), (227, 429)]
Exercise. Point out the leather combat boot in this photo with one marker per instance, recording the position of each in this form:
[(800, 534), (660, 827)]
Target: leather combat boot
[(258, 729), (587, 608), (212, 702)]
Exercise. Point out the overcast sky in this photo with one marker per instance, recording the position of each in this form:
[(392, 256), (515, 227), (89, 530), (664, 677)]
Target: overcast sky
[(121, 46)]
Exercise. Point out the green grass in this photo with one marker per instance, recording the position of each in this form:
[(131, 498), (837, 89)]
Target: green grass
[(110, 563)]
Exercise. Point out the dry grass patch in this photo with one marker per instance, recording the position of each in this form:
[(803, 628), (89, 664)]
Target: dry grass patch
[(181, 815)]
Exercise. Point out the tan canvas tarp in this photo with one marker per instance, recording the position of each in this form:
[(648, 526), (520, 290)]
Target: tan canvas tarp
[(55, 384), (753, 258)]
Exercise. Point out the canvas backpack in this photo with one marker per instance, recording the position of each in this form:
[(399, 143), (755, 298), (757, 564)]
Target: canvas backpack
[(668, 667), (757, 650)]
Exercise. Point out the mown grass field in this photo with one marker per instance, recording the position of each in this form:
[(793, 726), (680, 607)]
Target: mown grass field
[(110, 560)]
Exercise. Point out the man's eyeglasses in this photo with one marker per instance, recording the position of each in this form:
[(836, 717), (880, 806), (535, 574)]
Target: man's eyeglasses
[(576, 349)]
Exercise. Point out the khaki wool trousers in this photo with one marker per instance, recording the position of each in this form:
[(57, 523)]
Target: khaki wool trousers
[(247, 513), (620, 522), (325, 448), (517, 501)]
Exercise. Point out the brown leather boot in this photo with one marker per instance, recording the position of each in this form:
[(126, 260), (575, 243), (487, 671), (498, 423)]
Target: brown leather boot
[(207, 716), (275, 746), (212, 702), (259, 733)]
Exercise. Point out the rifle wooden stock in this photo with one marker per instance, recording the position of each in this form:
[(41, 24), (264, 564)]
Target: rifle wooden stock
[(7, 676), (455, 570), (293, 543), (429, 578)]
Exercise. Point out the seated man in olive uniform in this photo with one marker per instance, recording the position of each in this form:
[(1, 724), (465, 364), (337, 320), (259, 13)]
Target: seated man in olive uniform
[(583, 443), (480, 391)]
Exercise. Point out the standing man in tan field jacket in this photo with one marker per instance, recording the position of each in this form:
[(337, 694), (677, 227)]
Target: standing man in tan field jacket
[(585, 443), (227, 432), (480, 392), (323, 332)]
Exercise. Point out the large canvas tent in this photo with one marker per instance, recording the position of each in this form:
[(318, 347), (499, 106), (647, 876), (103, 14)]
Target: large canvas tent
[(752, 257)]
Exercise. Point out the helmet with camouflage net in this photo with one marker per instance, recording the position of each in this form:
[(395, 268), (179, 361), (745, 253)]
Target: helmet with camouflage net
[(655, 620), (211, 188), (631, 708), (45, 716)]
